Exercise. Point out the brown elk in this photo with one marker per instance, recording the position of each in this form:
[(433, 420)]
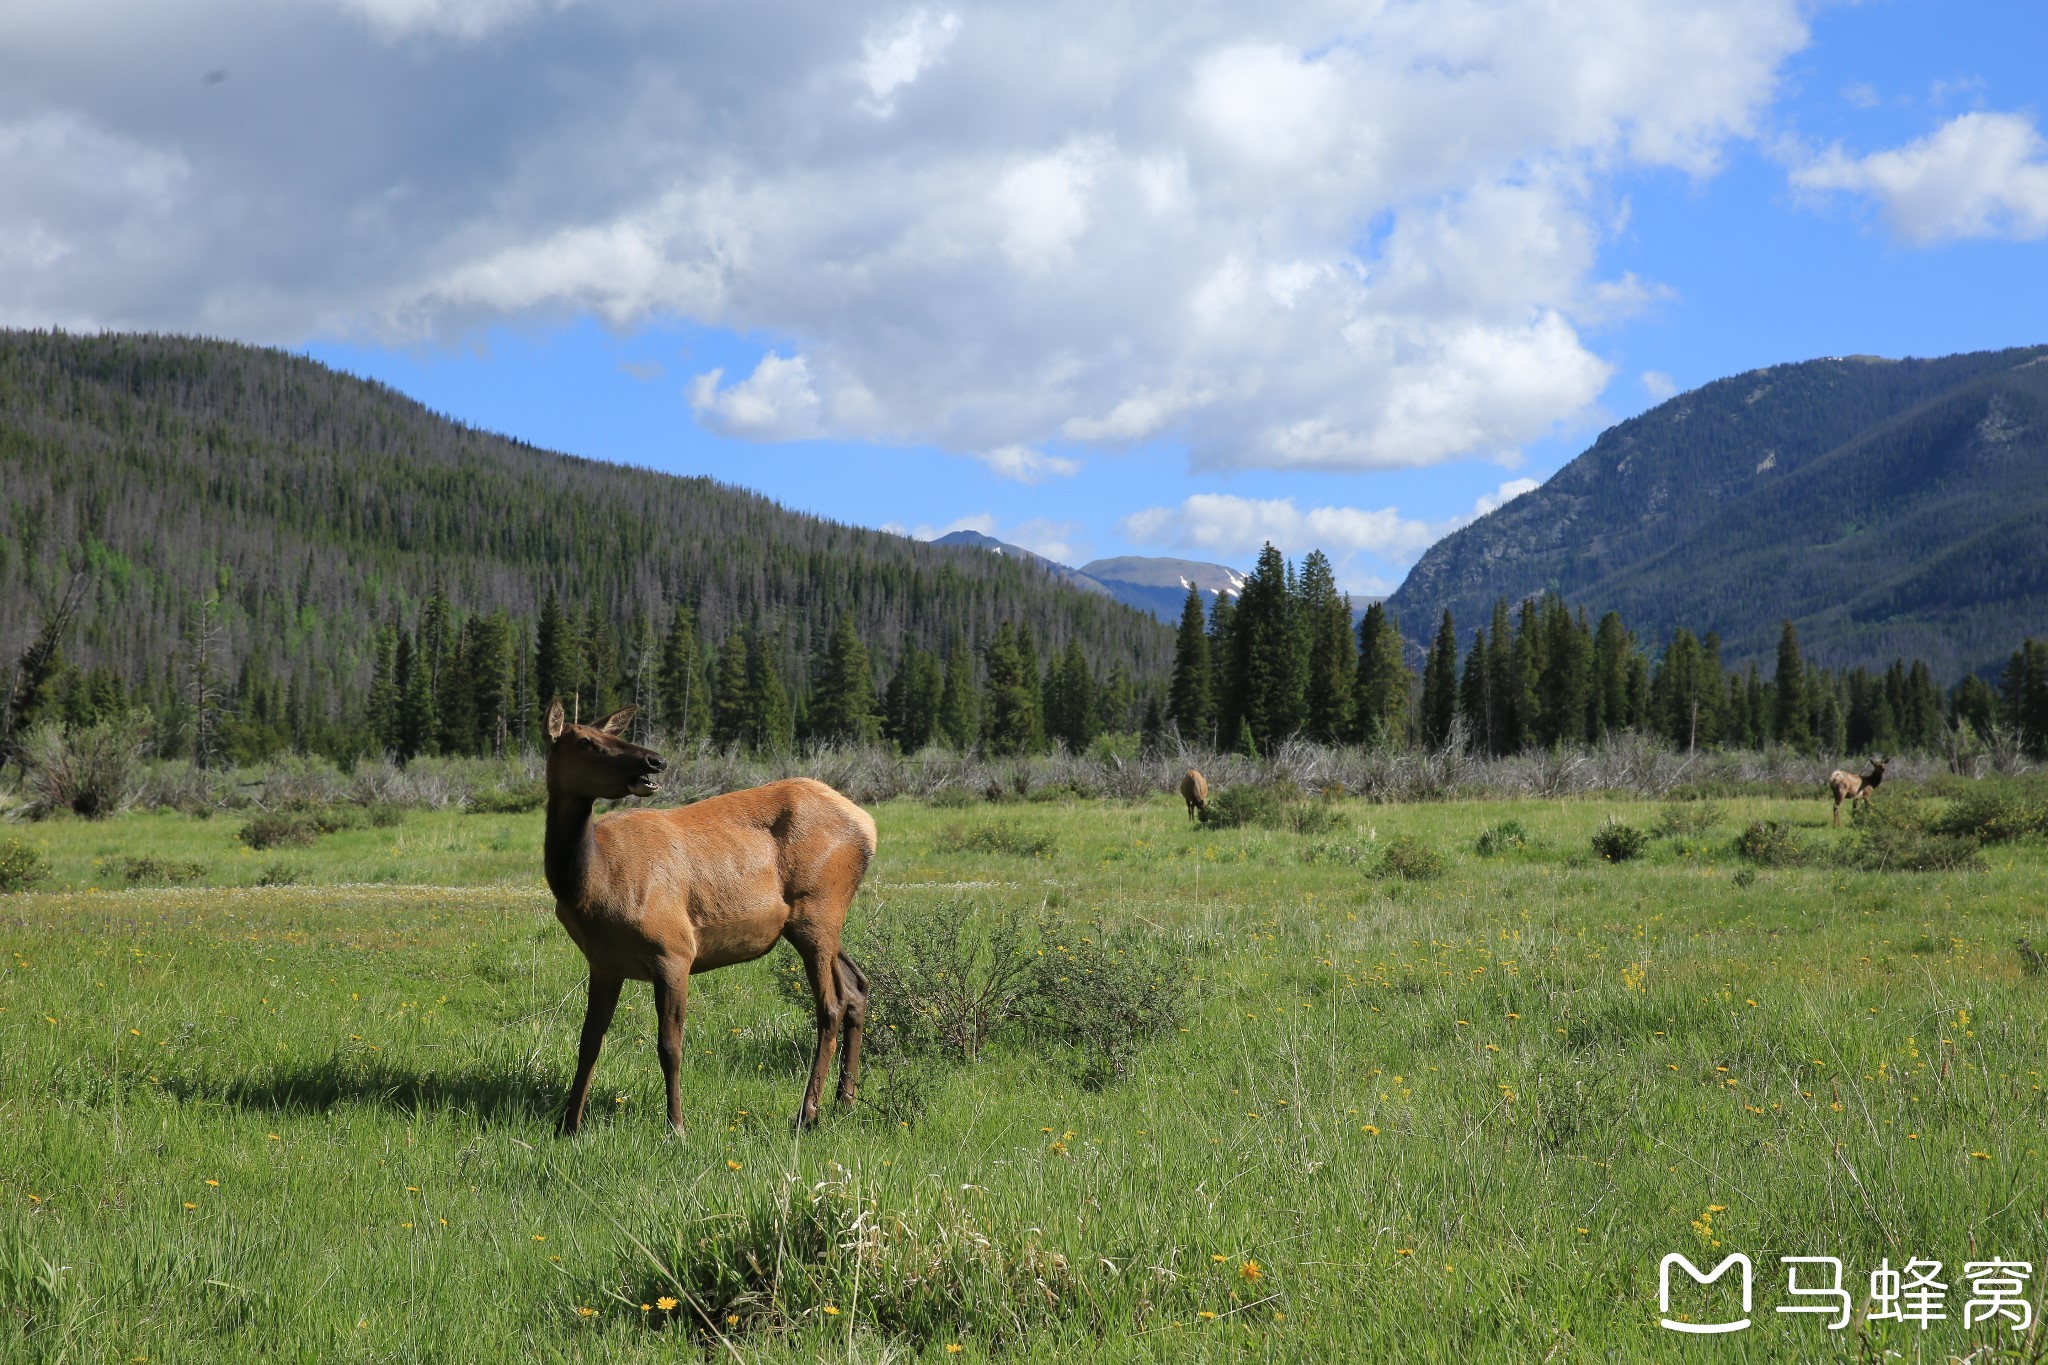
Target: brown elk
[(1847, 786), (1194, 789), (659, 895)]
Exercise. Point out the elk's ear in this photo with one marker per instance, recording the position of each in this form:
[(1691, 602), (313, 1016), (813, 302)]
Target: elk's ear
[(556, 720), (616, 722)]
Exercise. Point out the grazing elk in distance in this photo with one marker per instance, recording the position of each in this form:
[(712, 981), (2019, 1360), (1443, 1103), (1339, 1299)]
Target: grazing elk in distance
[(1194, 789), (1847, 786), (658, 895)]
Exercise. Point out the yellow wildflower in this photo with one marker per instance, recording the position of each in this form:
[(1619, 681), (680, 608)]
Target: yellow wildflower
[(665, 1303)]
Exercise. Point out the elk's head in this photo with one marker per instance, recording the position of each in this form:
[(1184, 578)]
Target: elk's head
[(1876, 775), (592, 761)]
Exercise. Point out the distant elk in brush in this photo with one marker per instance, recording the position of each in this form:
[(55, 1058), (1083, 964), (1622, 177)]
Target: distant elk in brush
[(1194, 789), (1847, 786), (660, 895)]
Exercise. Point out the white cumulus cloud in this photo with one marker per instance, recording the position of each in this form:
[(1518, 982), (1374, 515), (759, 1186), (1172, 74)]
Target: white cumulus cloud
[(1978, 175), (1026, 465), (1332, 237)]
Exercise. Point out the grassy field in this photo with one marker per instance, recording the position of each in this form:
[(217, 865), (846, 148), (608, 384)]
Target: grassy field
[(1452, 1118)]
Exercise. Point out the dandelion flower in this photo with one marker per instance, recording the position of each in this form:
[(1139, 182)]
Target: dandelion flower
[(646, 1307), (831, 1310), (954, 1348), (732, 1319), (1404, 1251), (583, 1312), (1250, 1271), (191, 1206), (214, 1183), (1981, 1156), (1369, 1130), (666, 1304), (731, 1165), (1219, 1259), (538, 1238), (1206, 1314)]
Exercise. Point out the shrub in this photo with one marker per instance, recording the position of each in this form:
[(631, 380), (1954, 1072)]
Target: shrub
[(953, 796), (280, 873), (1995, 810), (995, 838), (1241, 806), (1687, 819), (945, 982), (276, 829), (1618, 842), (381, 815), (1409, 858), (1770, 843), (153, 870), (1311, 817), (1899, 839), (1346, 855), (21, 866), (89, 770), (1500, 838), (516, 798)]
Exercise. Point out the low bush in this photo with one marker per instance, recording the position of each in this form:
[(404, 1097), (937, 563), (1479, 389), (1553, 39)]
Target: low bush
[(515, 798), (21, 866), (1506, 836), (91, 771), (1311, 817), (1409, 858), (382, 815), (1901, 838), (1687, 819), (1618, 842), (1995, 810), (1342, 855), (1770, 843), (995, 837), (280, 873), (277, 829), (153, 871), (1244, 805)]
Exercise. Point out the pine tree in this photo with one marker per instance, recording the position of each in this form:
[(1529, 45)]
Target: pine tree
[(415, 702), (493, 680), (959, 702), (685, 710), (1326, 622), (1791, 713), (1612, 646), (843, 708), (1383, 681), (381, 706), (1440, 686), (1267, 659), (729, 692), (1190, 704), (770, 724), (916, 699), (1010, 720), (1070, 717), (553, 673), (1475, 696), (1225, 707), (1503, 732)]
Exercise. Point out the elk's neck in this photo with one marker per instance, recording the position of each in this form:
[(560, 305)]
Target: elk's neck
[(568, 849)]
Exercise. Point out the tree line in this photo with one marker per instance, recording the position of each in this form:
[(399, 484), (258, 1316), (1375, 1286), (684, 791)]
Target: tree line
[(1284, 660)]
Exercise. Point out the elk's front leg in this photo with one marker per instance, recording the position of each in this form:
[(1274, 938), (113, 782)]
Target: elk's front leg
[(671, 998), (604, 1000)]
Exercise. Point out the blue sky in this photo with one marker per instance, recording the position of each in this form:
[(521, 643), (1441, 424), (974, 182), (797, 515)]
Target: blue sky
[(1157, 278)]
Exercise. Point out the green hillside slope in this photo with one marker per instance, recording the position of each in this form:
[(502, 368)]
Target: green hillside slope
[(318, 506), (1889, 508)]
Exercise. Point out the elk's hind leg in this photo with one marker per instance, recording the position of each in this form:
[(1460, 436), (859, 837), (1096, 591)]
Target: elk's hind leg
[(853, 993), (820, 967), (604, 1000)]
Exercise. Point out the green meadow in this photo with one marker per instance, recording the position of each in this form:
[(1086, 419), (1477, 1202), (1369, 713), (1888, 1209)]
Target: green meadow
[(1450, 1117)]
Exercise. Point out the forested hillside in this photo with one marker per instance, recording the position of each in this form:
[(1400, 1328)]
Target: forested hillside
[(1888, 508), (281, 529)]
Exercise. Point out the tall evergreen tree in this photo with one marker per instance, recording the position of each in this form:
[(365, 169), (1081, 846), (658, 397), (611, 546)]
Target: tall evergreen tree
[(415, 701), (1383, 681), (1326, 623), (554, 649), (1611, 649), (843, 707), (1475, 696), (916, 700), (685, 710), (960, 701), (1503, 730), (1440, 686), (1225, 706), (1791, 717), (381, 705), (1190, 703), (1010, 720), (1267, 659), (770, 724), (1070, 715), (729, 692)]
